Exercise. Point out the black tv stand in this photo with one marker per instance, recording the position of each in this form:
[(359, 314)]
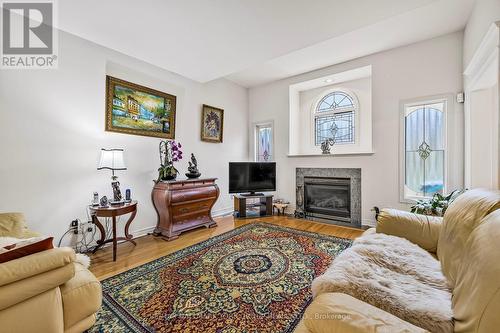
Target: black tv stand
[(262, 207), (252, 194)]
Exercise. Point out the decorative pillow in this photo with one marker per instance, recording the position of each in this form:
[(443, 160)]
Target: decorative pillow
[(11, 224), (25, 247)]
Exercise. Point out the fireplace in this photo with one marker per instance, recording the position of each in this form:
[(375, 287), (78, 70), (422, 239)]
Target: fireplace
[(331, 195), (328, 197)]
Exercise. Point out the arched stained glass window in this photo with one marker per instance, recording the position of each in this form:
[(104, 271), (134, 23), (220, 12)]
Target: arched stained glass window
[(334, 118), (335, 101)]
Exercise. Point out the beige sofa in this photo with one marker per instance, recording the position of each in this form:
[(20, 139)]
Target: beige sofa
[(46, 291), (467, 244)]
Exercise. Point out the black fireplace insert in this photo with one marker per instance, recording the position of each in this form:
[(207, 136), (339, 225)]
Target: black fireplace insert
[(328, 197)]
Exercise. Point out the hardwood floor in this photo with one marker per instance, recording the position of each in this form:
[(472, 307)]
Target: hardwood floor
[(149, 248)]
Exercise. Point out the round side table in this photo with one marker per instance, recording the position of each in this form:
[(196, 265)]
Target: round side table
[(113, 212)]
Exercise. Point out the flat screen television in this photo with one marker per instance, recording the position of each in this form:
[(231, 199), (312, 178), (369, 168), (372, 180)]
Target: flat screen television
[(252, 177)]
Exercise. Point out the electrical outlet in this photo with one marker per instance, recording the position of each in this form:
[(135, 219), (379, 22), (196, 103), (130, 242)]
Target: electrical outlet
[(74, 226)]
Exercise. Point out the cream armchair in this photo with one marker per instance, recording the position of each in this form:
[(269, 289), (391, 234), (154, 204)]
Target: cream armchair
[(46, 291)]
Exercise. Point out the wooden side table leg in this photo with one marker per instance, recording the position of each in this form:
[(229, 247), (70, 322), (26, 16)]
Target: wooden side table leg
[(98, 224), (127, 225), (114, 238)]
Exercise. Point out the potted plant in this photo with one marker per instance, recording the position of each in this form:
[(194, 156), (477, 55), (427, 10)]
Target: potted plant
[(435, 206), (170, 152)]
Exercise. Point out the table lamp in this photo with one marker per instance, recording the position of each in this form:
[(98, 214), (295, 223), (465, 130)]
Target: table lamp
[(112, 159)]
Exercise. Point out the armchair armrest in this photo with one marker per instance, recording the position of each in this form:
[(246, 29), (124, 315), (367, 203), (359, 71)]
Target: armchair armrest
[(35, 264), (338, 312), (422, 230), (32, 275)]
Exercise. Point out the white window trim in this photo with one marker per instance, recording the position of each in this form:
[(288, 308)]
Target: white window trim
[(315, 114), (255, 126), (448, 104)]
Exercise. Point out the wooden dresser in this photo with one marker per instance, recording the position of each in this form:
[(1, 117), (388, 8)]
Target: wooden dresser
[(183, 205)]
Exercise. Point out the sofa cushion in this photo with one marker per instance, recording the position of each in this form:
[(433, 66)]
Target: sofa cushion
[(394, 275), (341, 313), (476, 297), (11, 224), (82, 296), (461, 218)]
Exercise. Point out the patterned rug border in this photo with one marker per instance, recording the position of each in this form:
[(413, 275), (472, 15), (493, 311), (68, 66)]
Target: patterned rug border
[(179, 254)]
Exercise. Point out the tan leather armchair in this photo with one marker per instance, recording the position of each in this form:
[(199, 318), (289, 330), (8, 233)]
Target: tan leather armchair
[(46, 291)]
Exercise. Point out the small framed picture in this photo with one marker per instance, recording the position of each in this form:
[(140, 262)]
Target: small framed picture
[(212, 124)]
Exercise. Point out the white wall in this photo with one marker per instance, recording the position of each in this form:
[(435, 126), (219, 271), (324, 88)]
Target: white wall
[(428, 68), (484, 13), (483, 167), (52, 128), (361, 89)]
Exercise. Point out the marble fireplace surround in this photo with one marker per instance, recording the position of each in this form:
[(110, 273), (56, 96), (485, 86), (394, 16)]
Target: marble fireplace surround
[(353, 174)]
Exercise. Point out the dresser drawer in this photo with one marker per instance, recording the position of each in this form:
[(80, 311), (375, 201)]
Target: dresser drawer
[(179, 196), (181, 210)]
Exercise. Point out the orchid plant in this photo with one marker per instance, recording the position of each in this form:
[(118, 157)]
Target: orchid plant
[(170, 152)]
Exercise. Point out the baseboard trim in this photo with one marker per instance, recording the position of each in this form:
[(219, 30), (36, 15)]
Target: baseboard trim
[(148, 230), (369, 222)]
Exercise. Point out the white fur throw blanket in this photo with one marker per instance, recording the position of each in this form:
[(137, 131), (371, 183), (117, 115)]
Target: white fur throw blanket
[(394, 275)]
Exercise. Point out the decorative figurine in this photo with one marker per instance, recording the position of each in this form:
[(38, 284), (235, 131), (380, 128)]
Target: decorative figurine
[(325, 146), (117, 193), (104, 202), (193, 168), (95, 199)]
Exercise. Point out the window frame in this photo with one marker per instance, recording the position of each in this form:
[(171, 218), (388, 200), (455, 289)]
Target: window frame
[(404, 105), (319, 114), (255, 129)]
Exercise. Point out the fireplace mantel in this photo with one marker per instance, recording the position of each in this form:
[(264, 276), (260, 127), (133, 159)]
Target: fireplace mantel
[(353, 176)]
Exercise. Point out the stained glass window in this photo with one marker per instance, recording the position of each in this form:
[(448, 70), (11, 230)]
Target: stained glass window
[(334, 118), (335, 101), (264, 144), (424, 149)]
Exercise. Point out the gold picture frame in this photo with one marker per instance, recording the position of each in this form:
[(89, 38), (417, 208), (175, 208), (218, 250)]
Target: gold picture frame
[(138, 110), (212, 124)]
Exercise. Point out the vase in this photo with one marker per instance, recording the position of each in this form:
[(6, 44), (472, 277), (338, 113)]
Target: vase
[(170, 177)]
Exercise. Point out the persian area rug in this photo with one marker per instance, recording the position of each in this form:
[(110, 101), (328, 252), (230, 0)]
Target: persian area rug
[(255, 278)]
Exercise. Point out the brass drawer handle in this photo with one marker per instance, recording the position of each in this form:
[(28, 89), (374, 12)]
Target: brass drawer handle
[(184, 210)]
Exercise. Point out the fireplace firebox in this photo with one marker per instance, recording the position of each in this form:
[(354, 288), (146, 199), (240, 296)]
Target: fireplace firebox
[(328, 198)]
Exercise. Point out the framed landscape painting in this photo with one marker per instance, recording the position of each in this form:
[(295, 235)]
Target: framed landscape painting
[(212, 124), (138, 110)]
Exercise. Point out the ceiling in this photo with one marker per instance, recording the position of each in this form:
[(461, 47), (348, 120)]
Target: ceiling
[(256, 41)]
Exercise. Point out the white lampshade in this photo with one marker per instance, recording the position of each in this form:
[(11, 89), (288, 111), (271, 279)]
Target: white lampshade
[(112, 159)]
